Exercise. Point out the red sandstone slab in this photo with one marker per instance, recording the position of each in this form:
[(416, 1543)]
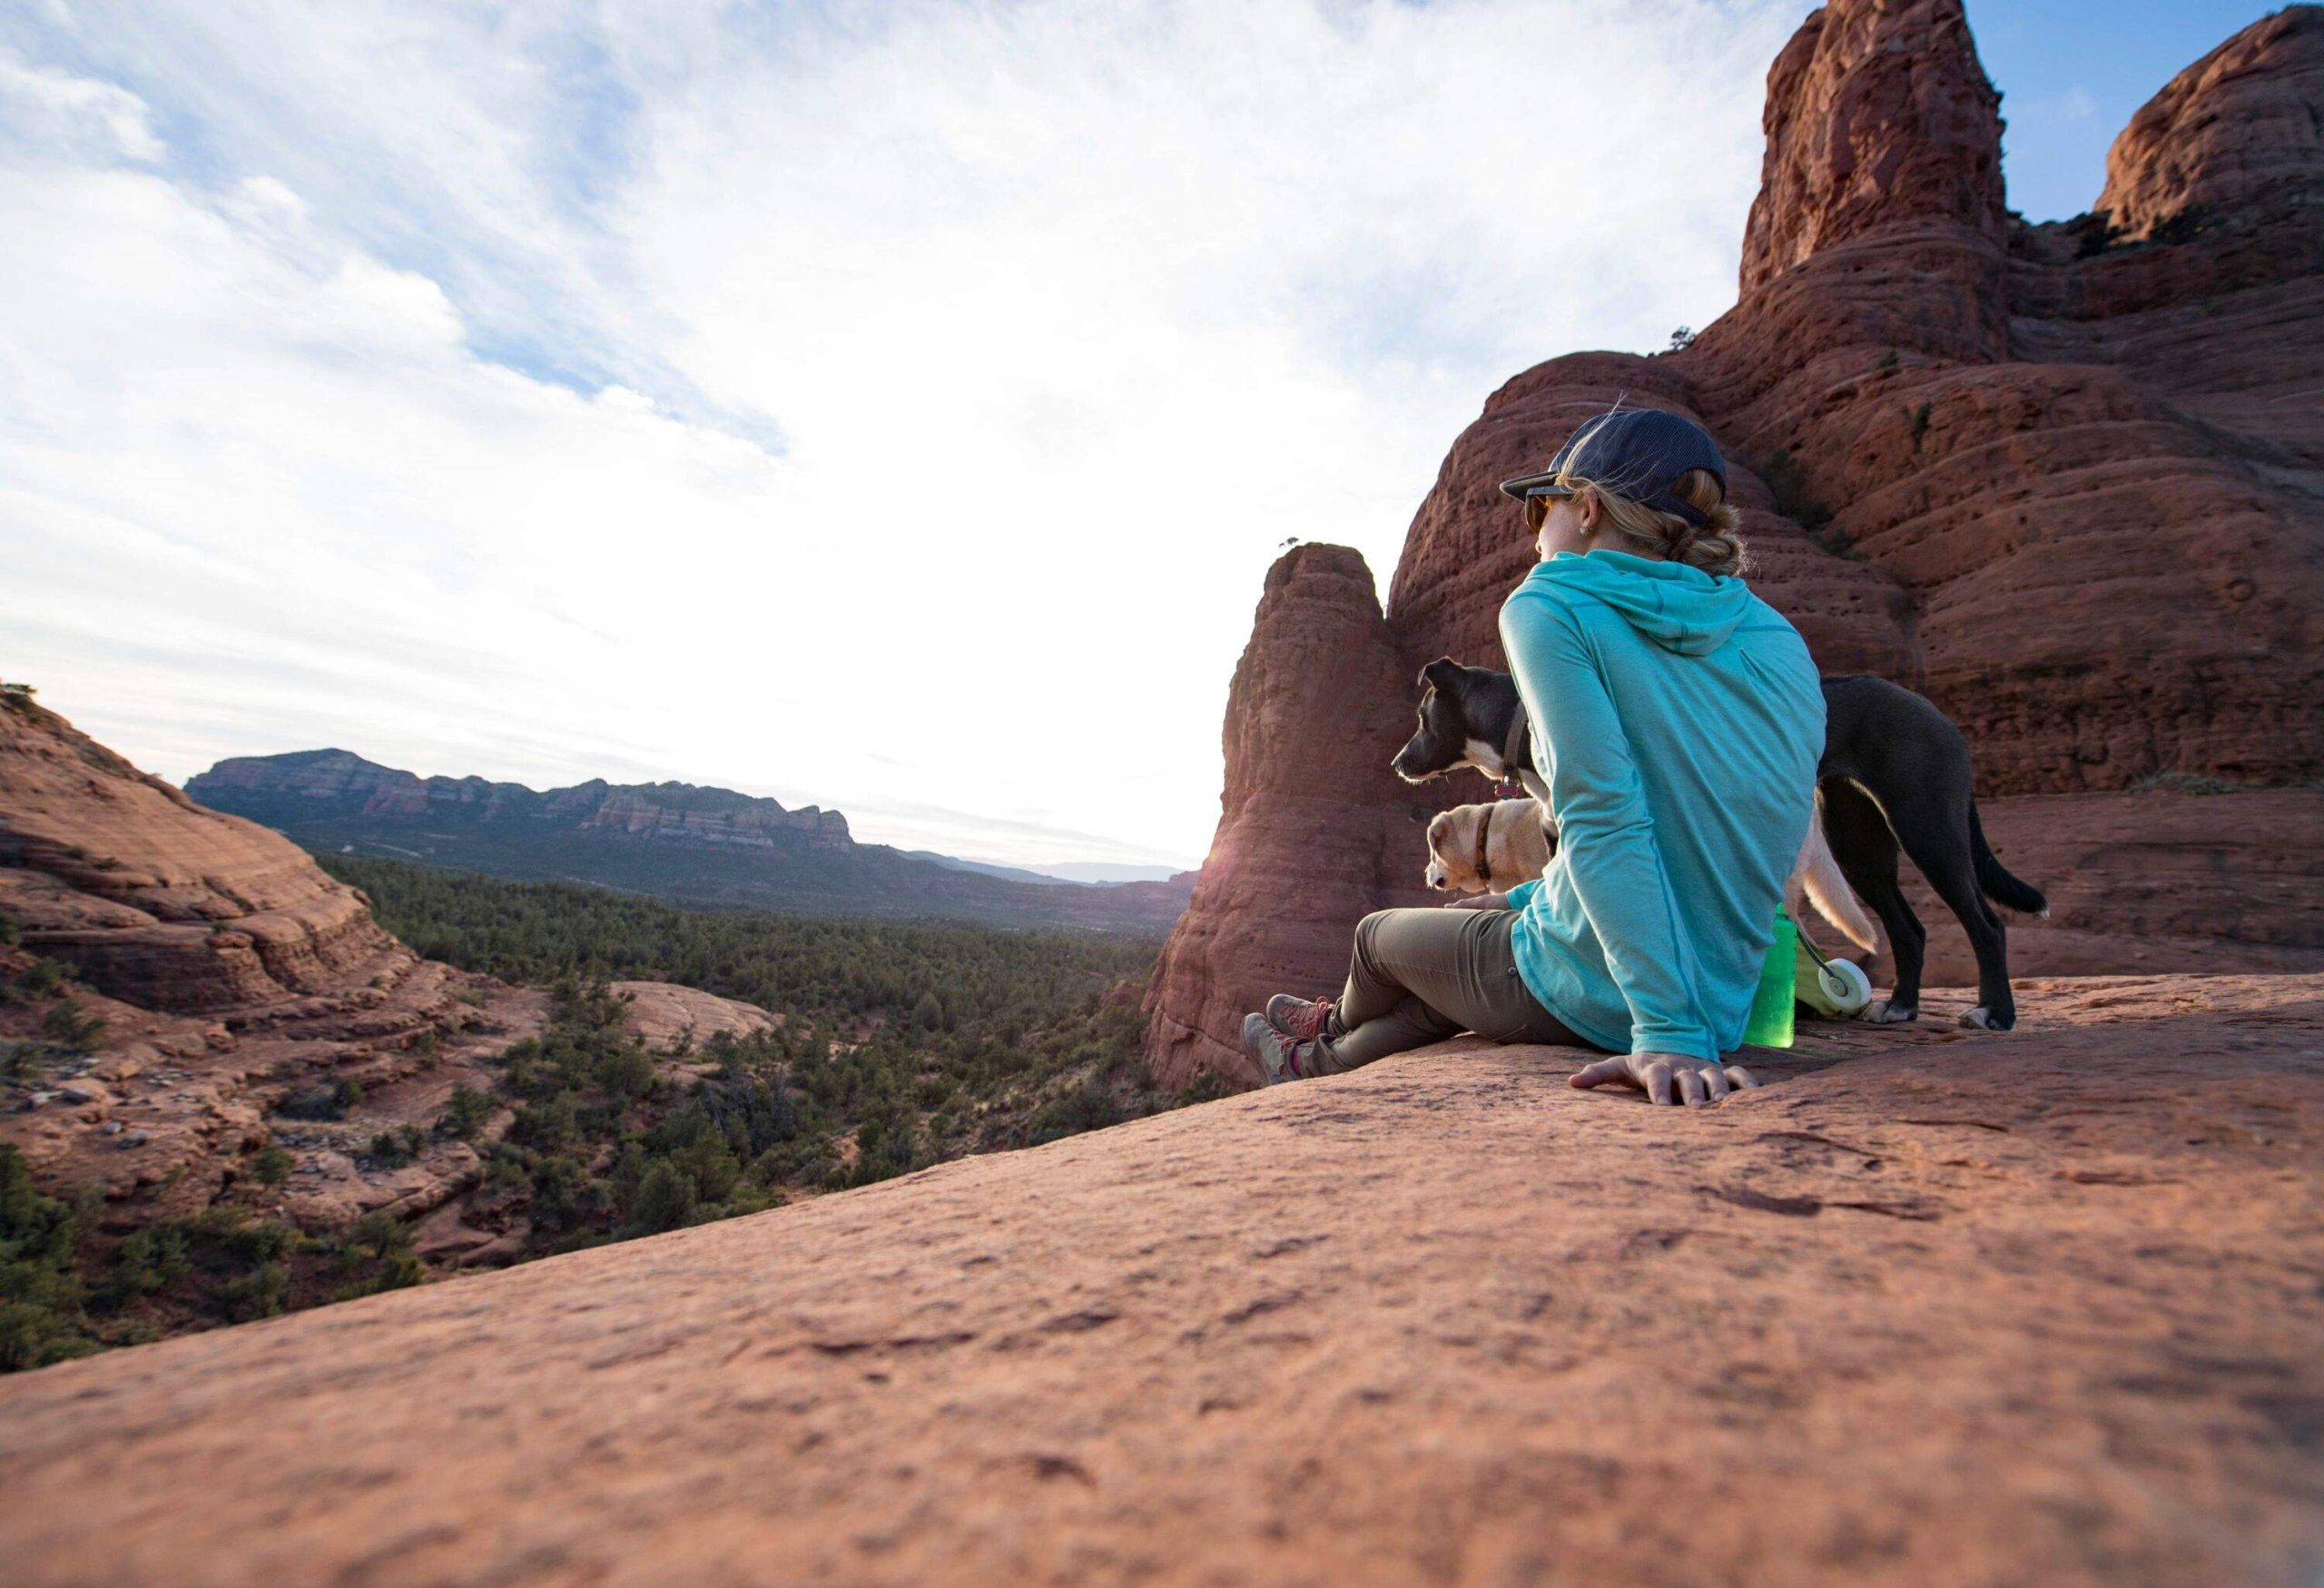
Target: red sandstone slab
[(1964, 1309)]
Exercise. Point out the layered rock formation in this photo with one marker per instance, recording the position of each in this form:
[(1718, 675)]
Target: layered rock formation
[(1307, 842), (2067, 480), (675, 840), (311, 785), (231, 976), (2107, 581), (1467, 548), (2234, 135), (1878, 116), (153, 899), (1965, 1309)]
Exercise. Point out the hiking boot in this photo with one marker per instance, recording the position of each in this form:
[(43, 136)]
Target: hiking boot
[(1285, 1057), (1300, 1019)]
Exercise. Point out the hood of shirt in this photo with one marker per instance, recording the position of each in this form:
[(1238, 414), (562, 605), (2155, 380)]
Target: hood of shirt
[(1680, 608)]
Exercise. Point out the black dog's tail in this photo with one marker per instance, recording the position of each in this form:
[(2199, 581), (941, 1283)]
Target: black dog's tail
[(1995, 881)]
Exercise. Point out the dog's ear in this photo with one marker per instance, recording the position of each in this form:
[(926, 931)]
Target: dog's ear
[(1441, 674)]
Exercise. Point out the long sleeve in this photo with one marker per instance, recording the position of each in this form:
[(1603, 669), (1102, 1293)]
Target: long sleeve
[(1606, 834)]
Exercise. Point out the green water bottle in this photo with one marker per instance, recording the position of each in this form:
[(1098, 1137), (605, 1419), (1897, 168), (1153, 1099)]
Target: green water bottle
[(1770, 1023)]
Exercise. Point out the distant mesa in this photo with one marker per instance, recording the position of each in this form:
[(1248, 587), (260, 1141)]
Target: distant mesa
[(673, 840), (305, 786)]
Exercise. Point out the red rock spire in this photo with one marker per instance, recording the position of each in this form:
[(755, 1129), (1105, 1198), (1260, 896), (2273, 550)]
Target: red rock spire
[(1878, 114), (1313, 830)]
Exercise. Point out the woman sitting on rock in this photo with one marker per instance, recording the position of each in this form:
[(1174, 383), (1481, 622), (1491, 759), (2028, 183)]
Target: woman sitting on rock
[(1676, 720)]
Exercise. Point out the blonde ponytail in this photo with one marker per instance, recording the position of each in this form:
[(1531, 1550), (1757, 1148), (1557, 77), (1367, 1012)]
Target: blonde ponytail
[(1715, 545)]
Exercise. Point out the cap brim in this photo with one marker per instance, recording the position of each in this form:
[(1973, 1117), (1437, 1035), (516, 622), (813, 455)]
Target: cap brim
[(1533, 485)]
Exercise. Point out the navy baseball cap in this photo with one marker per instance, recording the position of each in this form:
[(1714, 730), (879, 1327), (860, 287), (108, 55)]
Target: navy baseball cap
[(1639, 452)]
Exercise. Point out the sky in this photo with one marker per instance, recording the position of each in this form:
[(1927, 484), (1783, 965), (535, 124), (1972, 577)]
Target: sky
[(892, 407)]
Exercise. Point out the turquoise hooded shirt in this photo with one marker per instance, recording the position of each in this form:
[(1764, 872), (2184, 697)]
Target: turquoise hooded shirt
[(1679, 720)]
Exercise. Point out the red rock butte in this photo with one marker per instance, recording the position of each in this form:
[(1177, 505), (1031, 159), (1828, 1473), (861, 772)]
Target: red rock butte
[(2067, 480)]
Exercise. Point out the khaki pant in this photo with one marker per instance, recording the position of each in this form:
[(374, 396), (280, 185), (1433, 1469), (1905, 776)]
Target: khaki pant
[(1419, 976)]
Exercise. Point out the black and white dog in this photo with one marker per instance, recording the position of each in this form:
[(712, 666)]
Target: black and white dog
[(1895, 771)]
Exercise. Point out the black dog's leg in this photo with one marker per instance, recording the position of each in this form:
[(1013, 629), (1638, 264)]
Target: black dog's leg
[(1866, 852), (1933, 821)]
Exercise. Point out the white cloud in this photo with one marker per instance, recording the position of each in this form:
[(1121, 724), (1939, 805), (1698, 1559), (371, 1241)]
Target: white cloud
[(52, 108), (1064, 315)]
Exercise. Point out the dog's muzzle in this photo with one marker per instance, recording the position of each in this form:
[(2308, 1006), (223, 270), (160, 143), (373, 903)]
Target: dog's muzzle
[(1406, 765)]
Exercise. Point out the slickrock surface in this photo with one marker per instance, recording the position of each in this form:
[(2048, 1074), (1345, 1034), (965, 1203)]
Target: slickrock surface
[(233, 977), (2068, 481), (154, 900), (663, 1012), (1964, 1309)]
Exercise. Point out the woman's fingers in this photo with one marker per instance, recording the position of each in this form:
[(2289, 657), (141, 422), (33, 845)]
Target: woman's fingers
[(1657, 1081), (1666, 1081), (1600, 1073)]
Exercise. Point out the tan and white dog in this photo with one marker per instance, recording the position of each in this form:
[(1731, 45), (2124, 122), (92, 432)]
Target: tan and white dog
[(1491, 848)]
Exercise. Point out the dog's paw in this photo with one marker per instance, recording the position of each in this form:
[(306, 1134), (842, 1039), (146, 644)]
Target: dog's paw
[(1886, 1013), (1983, 1018)]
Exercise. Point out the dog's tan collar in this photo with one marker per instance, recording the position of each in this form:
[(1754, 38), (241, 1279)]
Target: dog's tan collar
[(1484, 837)]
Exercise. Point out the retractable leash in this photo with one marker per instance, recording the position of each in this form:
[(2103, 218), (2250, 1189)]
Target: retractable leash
[(1835, 987), (1831, 987)]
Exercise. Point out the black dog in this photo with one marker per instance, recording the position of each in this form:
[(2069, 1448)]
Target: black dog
[(1895, 771)]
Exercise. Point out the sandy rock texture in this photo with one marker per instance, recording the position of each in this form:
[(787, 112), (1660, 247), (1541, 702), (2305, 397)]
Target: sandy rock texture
[(663, 1012), (1313, 826), (1931, 1306), (2085, 466), (238, 985), (154, 900), (1858, 144), (2067, 482), (2162, 881), (233, 977), (2234, 131)]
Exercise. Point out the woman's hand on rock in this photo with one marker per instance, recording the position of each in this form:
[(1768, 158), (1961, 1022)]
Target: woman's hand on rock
[(1477, 902), (1667, 1077)]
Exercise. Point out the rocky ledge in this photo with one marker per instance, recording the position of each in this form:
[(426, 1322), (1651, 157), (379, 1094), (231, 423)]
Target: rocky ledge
[(1935, 1305)]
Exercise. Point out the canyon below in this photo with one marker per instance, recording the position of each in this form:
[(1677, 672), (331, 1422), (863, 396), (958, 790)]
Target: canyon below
[(1932, 1305)]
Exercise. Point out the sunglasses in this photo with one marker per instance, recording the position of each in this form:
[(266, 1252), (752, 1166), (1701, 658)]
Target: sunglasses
[(1536, 511)]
